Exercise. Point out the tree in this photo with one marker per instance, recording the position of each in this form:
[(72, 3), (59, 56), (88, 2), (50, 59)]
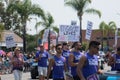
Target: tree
[(25, 9), (106, 29), (47, 24), (81, 7), (11, 20), (1, 30)]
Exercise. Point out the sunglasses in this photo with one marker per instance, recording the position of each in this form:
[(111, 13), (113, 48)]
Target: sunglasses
[(59, 48), (96, 47)]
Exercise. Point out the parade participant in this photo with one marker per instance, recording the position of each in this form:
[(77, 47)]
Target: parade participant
[(58, 63), (74, 59), (87, 67), (66, 53), (42, 57), (17, 62), (114, 61)]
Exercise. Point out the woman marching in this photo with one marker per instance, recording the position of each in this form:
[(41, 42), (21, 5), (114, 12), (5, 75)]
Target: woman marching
[(17, 62)]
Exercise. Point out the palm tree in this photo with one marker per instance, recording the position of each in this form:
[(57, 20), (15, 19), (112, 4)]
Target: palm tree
[(81, 7), (106, 29), (25, 9), (47, 24), (1, 30)]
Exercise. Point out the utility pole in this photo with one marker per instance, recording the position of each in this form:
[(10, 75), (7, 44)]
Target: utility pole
[(36, 32), (49, 40)]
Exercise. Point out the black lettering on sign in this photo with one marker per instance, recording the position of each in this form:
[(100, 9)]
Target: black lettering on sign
[(10, 38), (70, 30)]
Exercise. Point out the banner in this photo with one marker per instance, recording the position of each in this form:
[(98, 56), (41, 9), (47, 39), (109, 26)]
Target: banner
[(9, 41), (45, 35), (69, 33), (89, 30)]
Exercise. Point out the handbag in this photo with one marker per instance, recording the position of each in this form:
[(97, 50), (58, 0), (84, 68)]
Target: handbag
[(20, 68)]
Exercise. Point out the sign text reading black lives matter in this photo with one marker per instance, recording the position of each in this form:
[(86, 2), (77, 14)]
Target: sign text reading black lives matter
[(69, 32)]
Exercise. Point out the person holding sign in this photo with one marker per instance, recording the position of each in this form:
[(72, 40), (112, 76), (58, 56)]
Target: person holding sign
[(87, 67)]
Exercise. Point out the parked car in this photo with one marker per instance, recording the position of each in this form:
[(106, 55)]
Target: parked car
[(34, 71)]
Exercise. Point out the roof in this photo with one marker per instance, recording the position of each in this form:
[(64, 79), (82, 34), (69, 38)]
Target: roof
[(17, 38)]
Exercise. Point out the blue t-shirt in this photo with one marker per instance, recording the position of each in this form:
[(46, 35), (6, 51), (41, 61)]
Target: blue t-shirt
[(116, 66), (77, 56), (91, 66), (44, 59), (66, 54), (58, 67)]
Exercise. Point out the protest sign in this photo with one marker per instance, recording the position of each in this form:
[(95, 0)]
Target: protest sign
[(10, 41), (69, 33), (89, 30)]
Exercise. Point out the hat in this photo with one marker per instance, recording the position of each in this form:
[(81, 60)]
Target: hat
[(17, 48)]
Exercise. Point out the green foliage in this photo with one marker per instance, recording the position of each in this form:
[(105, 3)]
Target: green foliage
[(47, 23), (84, 45), (1, 29), (106, 29), (25, 9), (31, 42), (81, 6)]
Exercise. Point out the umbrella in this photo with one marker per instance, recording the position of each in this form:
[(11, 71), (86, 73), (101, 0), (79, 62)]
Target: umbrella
[(2, 52)]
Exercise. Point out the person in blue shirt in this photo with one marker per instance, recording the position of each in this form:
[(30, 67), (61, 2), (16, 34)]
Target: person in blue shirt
[(42, 57), (114, 61), (58, 64), (66, 53), (74, 58), (87, 67)]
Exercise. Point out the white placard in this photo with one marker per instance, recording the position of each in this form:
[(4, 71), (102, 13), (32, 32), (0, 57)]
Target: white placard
[(89, 30), (69, 33), (45, 35), (9, 41)]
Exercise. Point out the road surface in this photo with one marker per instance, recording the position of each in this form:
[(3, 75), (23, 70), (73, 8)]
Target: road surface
[(26, 76)]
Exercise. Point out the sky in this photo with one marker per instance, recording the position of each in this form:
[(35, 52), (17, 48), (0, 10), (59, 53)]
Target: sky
[(63, 15)]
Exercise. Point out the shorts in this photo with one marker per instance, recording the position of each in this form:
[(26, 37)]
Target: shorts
[(42, 71)]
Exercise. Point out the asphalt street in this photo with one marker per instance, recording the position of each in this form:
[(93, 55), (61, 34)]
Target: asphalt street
[(26, 76)]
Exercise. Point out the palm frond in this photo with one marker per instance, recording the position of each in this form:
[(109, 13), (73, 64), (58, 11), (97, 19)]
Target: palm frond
[(102, 25), (74, 4), (94, 11), (56, 29), (41, 33), (112, 25)]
